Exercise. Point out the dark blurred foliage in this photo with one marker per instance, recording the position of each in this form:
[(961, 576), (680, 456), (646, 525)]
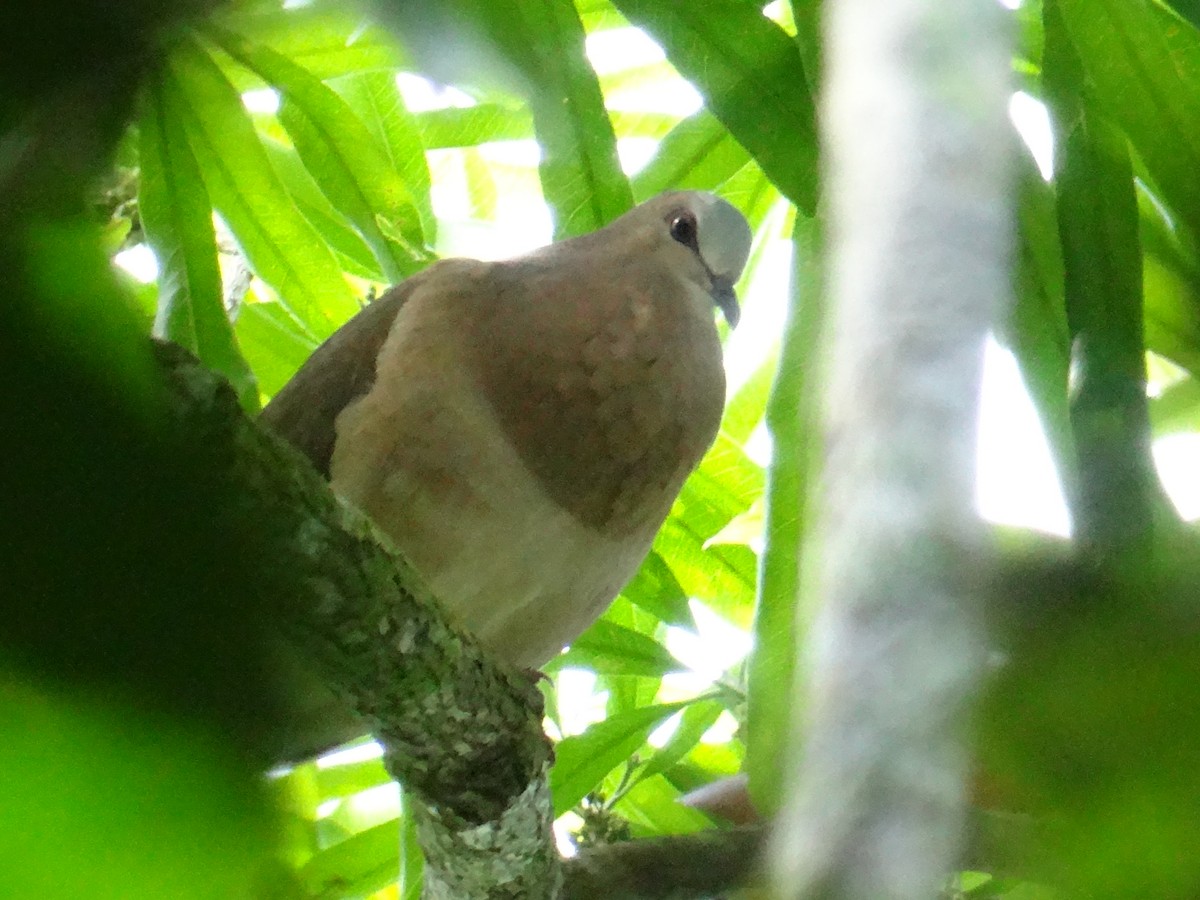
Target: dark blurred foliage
[(131, 665)]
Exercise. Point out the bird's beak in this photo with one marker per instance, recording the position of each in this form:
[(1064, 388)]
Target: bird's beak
[(726, 299)]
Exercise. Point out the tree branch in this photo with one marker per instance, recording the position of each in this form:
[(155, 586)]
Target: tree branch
[(681, 867), (461, 732)]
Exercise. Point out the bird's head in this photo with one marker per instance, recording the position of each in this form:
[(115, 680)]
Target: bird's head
[(692, 238), (704, 239)]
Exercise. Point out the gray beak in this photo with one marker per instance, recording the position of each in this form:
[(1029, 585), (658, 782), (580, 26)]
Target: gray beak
[(726, 299)]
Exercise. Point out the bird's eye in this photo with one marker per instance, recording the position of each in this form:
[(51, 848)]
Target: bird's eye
[(683, 229)]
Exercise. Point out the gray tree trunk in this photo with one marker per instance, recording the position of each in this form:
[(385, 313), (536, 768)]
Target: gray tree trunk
[(917, 158)]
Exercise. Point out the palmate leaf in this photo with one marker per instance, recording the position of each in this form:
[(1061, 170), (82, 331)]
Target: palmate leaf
[(177, 218), (327, 41), (376, 100), (1144, 62), (343, 157), (280, 245), (582, 761), (611, 649), (752, 78), (581, 176), (793, 423)]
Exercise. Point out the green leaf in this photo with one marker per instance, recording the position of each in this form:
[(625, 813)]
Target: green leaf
[(105, 800), (1036, 328), (655, 589), (609, 648), (1172, 325), (412, 861), (1177, 408), (343, 157), (274, 343), (359, 865), (581, 176), (752, 78), (722, 576), (1113, 506), (582, 761), (484, 122), (351, 778), (177, 218), (376, 100), (1171, 286), (455, 127), (1144, 63), (327, 41), (481, 184), (693, 723), (626, 692), (705, 764), (280, 245), (724, 485), (746, 408), (699, 153), (806, 14), (793, 421), (351, 252), (652, 807)]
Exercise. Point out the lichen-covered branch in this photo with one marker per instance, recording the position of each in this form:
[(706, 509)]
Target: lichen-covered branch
[(462, 732), (918, 152)]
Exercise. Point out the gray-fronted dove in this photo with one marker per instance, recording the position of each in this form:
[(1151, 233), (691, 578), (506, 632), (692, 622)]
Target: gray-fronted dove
[(521, 428)]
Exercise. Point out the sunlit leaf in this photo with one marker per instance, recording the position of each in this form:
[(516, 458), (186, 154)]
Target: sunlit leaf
[(281, 246), (326, 40), (581, 176), (376, 99), (582, 761), (177, 218), (652, 807), (342, 155), (698, 153), (359, 865), (274, 343), (1144, 62), (750, 73), (607, 647), (693, 723), (655, 588)]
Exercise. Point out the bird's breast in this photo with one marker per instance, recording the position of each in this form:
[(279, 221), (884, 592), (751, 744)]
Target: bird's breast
[(609, 404)]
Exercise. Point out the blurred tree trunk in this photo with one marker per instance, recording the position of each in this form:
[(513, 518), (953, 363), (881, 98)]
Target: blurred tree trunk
[(917, 157)]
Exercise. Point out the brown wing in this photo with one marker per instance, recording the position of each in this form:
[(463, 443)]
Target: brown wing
[(340, 370)]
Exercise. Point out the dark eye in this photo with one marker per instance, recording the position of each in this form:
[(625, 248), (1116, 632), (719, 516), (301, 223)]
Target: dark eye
[(683, 229)]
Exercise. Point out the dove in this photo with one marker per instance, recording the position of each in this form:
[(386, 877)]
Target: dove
[(521, 428)]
